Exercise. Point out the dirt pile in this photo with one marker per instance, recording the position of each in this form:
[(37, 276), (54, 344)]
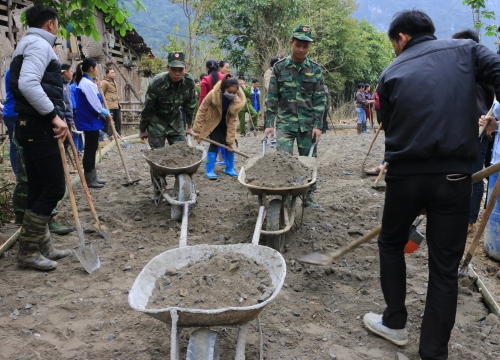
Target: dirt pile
[(278, 170), (225, 280), (174, 156)]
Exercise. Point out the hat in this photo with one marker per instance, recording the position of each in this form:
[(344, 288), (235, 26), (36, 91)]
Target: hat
[(176, 59), (302, 32)]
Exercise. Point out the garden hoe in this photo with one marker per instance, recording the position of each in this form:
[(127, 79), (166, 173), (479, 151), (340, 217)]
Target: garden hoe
[(318, 258), (85, 251)]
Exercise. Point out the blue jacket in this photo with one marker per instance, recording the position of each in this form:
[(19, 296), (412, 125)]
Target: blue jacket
[(72, 87), (89, 105), (8, 107)]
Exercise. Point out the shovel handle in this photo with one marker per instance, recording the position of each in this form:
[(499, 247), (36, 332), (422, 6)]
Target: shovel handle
[(481, 129), (82, 180), (115, 135), (224, 146), (70, 188)]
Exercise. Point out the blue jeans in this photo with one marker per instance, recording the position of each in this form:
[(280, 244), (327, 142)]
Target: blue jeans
[(478, 188), (361, 115), (10, 122)]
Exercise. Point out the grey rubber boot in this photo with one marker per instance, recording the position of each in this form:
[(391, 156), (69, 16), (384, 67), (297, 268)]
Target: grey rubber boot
[(90, 178), (47, 249)]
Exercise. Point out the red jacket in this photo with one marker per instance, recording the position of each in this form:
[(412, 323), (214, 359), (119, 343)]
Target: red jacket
[(206, 85), (377, 101)]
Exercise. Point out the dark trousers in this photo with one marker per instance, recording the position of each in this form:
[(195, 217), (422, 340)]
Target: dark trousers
[(43, 165), (219, 135), (117, 119), (10, 122), (478, 188), (446, 199), (91, 145)]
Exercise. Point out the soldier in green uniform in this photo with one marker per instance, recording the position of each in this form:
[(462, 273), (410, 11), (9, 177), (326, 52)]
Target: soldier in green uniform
[(247, 108), (296, 100), (170, 97)]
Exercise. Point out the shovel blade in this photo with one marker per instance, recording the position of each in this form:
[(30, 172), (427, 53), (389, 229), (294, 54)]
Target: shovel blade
[(131, 182), (102, 230), (315, 258), (88, 257)]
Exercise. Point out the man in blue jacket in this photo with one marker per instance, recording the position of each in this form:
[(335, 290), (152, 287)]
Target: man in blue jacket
[(431, 146), (37, 86)]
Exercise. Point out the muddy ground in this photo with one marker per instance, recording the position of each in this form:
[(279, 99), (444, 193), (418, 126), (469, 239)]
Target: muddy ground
[(68, 313)]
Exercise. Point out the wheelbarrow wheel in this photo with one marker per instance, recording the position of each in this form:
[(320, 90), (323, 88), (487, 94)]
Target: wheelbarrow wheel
[(183, 187), (275, 220), (203, 345)]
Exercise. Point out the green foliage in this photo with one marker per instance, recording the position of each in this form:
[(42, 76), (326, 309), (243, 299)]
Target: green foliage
[(78, 15), (150, 66), (251, 30), (480, 6)]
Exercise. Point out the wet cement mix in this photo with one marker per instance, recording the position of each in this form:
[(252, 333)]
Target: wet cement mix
[(69, 314), (225, 280), (278, 170), (176, 155)]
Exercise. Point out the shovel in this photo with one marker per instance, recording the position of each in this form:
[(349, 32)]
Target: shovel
[(115, 135), (224, 146), (85, 251), (376, 186), (101, 228), (363, 175), (318, 258)]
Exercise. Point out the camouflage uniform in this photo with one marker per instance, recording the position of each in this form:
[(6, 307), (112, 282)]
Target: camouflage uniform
[(250, 109), (166, 104), (295, 103)]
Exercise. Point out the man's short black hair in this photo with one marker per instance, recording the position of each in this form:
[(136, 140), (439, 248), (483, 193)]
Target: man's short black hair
[(242, 78), (202, 76), (108, 70), (366, 86), (273, 61), (361, 85), (65, 67), (255, 81), (410, 22), (466, 34), (38, 15)]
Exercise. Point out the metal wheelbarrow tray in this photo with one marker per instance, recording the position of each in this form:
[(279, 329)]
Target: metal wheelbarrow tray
[(291, 191), (164, 170), (180, 257)]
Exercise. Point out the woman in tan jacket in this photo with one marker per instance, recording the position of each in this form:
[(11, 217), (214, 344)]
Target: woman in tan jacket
[(218, 116)]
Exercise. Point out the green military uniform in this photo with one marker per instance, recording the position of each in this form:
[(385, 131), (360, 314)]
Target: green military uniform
[(296, 100), (250, 109), (296, 103), (166, 105)]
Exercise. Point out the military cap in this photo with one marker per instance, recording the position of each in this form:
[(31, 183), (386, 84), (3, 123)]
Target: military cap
[(302, 32), (176, 59)]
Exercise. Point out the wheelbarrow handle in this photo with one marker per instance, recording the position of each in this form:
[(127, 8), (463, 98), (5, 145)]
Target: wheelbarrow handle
[(264, 144)]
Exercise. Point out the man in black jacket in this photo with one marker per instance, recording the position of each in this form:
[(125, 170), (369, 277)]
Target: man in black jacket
[(429, 113)]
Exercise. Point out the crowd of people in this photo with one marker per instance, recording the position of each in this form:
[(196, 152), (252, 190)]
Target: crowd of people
[(432, 150)]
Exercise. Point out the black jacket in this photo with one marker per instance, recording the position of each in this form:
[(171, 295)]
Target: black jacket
[(429, 108)]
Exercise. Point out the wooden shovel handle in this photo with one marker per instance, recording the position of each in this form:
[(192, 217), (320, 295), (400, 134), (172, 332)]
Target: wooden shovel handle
[(481, 129), (68, 184), (224, 146), (117, 140), (79, 168)]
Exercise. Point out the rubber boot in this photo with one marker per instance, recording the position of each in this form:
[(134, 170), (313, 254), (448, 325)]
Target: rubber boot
[(365, 130), (32, 234), (97, 180), (223, 155), (47, 250), (230, 164), (57, 228), (309, 202), (359, 128), (90, 179), (210, 165)]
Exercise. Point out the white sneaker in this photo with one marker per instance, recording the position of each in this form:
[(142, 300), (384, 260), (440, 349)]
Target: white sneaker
[(374, 323)]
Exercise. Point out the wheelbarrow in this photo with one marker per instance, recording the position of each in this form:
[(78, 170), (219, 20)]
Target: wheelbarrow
[(203, 343), (184, 192), (280, 211)]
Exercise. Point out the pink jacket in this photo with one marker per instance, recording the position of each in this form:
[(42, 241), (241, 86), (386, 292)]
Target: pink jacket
[(206, 86)]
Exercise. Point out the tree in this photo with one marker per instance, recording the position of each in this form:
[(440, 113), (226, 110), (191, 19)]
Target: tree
[(251, 31), (77, 16), (479, 10)]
